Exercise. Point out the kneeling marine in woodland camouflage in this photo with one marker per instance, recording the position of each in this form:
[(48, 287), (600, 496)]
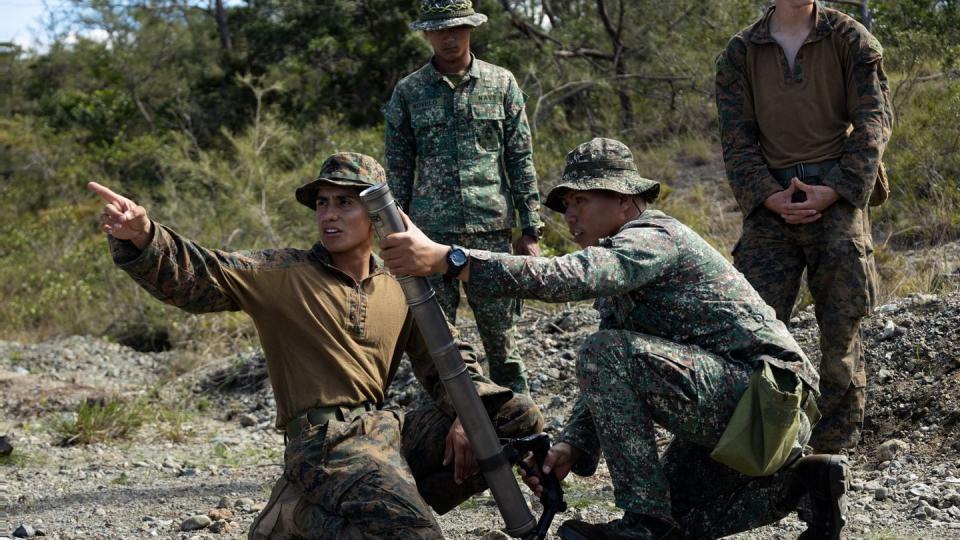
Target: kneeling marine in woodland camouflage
[(684, 342), (333, 325)]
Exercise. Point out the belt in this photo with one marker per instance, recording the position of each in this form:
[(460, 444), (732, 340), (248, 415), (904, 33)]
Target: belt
[(803, 171), (321, 415)]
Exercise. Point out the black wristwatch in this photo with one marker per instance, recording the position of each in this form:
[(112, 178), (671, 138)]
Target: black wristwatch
[(457, 258), (532, 232)]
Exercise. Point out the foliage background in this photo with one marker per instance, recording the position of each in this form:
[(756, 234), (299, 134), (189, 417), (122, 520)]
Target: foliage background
[(211, 116)]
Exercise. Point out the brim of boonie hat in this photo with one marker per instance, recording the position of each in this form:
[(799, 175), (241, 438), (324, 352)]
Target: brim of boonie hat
[(428, 25), (307, 193), (622, 182)]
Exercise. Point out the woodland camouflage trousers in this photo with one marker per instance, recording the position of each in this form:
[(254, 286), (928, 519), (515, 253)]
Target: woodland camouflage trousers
[(837, 253), (377, 475)]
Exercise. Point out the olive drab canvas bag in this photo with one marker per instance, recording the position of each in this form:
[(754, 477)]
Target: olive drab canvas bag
[(761, 435)]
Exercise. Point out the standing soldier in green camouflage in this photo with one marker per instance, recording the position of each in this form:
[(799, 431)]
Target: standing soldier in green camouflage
[(459, 160), (681, 334), (804, 117), (333, 325)]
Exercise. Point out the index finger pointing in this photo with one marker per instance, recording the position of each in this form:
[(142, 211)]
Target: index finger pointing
[(104, 192)]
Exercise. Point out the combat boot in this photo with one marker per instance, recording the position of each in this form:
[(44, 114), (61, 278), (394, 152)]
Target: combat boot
[(631, 527), (824, 479)]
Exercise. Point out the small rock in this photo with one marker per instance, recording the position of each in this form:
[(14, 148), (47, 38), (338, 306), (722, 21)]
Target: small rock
[(890, 449), (889, 329), (221, 526), (921, 490), (195, 523), (495, 535), (24, 531), (885, 375), (5, 447), (881, 493), (244, 504), (887, 309), (224, 503), (218, 514), (248, 420)]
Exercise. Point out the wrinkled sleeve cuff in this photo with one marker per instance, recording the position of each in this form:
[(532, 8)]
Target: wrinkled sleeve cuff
[(857, 195), (126, 255), (751, 200)]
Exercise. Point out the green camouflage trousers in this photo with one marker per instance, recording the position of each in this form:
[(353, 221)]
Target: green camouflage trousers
[(631, 381), (496, 317), (837, 253), (376, 475)]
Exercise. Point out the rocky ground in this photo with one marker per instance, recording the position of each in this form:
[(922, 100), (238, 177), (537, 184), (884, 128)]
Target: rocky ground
[(205, 453)]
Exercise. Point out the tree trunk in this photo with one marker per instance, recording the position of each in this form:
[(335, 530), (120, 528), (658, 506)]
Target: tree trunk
[(221, 18)]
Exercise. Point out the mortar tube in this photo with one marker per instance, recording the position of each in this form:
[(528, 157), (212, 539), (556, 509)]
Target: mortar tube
[(453, 372)]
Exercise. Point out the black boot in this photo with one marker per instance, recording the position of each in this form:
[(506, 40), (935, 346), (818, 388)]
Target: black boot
[(631, 527), (824, 480)]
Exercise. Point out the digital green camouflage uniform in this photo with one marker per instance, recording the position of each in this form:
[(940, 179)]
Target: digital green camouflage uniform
[(836, 250), (681, 332), (332, 346), (459, 160)]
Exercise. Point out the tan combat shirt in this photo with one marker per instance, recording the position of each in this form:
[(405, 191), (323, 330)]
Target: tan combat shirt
[(834, 104), (328, 340)]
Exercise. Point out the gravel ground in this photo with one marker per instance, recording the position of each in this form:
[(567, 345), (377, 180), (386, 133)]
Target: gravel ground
[(206, 474)]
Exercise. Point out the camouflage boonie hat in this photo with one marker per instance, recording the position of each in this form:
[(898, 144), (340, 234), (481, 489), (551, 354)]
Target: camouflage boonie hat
[(601, 164), (347, 169), (440, 14)]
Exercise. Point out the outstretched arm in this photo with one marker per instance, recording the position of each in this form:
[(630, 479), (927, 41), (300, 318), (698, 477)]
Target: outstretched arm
[(173, 269), (621, 264)]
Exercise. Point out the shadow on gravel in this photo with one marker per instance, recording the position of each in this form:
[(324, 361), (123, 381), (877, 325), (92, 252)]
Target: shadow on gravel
[(124, 495)]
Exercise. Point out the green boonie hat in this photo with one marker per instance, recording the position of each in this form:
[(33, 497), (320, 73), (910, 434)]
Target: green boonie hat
[(601, 164), (347, 169), (440, 14)]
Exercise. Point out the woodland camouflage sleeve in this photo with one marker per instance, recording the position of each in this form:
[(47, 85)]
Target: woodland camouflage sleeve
[(178, 271), (868, 105), (518, 158), (747, 172), (400, 148)]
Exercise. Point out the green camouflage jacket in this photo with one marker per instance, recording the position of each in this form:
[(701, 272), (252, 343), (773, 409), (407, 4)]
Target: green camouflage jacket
[(460, 159), (656, 277), (869, 112)]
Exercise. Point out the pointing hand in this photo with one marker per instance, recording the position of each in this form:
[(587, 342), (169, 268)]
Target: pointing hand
[(122, 218)]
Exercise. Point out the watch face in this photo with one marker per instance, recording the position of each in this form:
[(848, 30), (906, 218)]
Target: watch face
[(458, 257)]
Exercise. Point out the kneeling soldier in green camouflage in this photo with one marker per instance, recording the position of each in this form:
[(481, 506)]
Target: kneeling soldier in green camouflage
[(333, 325), (681, 336)]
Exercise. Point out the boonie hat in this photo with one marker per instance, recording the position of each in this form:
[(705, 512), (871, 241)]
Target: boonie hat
[(601, 164), (440, 14), (347, 169)]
